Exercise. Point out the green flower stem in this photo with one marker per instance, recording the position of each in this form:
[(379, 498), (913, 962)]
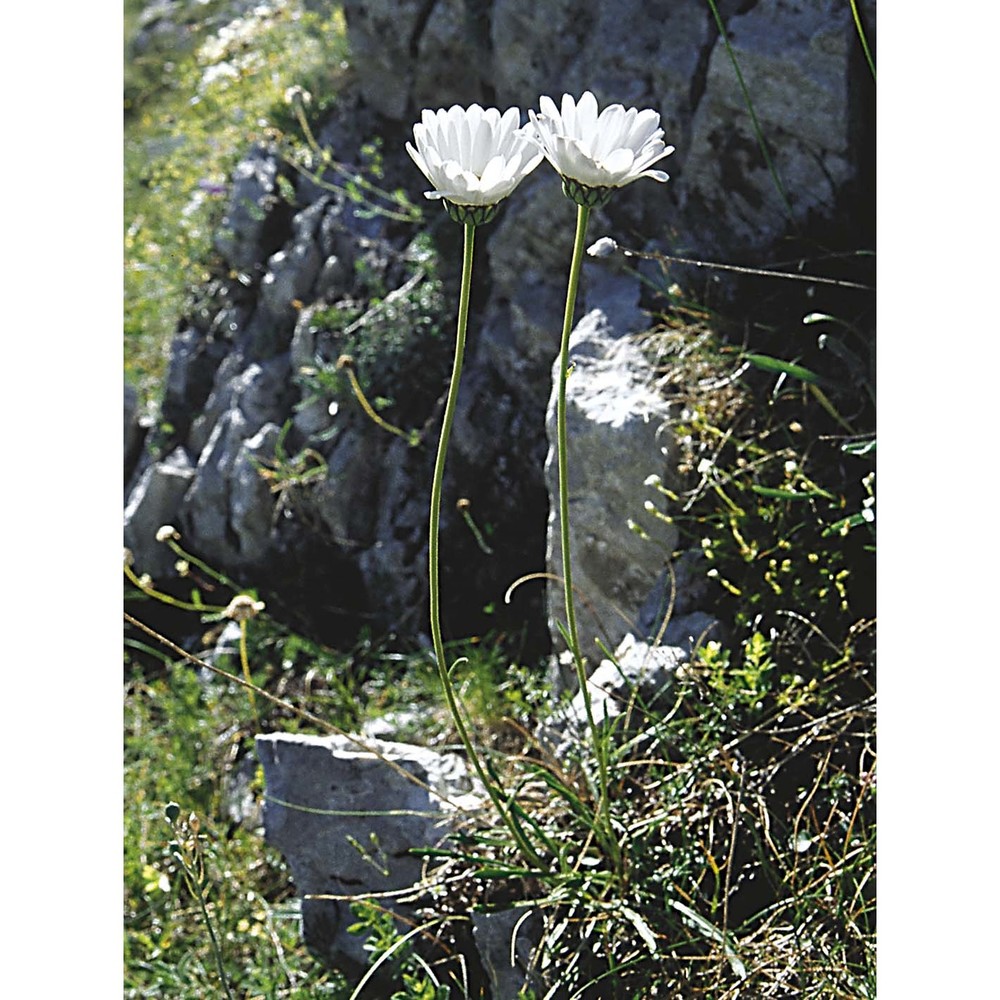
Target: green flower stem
[(433, 554), (175, 602), (600, 746), (245, 664)]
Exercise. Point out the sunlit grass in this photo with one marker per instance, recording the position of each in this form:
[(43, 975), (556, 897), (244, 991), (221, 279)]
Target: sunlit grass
[(189, 115)]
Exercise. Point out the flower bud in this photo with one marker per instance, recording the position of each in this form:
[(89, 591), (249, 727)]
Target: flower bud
[(604, 247), (243, 607)]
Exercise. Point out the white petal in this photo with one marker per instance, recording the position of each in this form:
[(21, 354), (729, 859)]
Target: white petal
[(646, 124), (586, 115), (611, 128), (619, 163), (568, 115), (548, 107), (652, 154), (493, 172), (483, 147)]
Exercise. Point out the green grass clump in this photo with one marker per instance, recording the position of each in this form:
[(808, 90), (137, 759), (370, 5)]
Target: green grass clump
[(743, 798), (183, 739)]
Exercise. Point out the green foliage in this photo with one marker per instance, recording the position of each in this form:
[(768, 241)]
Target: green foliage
[(394, 955), (190, 110), (288, 473), (183, 739), (393, 345), (743, 800), (776, 497)]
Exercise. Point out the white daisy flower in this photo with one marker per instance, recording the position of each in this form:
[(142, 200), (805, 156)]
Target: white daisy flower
[(474, 158), (596, 153)]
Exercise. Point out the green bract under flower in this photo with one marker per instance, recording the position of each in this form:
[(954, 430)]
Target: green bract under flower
[(472, 156), (595, 153)]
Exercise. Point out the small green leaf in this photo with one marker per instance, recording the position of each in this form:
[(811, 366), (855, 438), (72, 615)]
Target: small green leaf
[(642, 928), (859, 448), (712, 932), (769, 364), (286, 189)]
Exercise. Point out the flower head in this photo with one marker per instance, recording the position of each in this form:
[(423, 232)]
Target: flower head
[(596, 153), (242, 607), (473, 157)]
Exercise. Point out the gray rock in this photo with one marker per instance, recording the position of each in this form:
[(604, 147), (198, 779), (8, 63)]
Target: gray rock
[(194, 360), (245, 238), (671, 615), (693, 630), (204, 514), (511, 969), (135, 433), (409, 50), (795, 58), (395, 564), (229, 507), (334, 278), (638, 680), (154, 502), (347, 820), (251, 500), (799, 60), (616, 437), (624, 690), (346, 499), (807, 79), (382, 40), (289, 277), (449, 55)]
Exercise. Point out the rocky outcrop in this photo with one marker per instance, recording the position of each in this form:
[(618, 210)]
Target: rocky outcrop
[(283, 477), (733, 192)]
